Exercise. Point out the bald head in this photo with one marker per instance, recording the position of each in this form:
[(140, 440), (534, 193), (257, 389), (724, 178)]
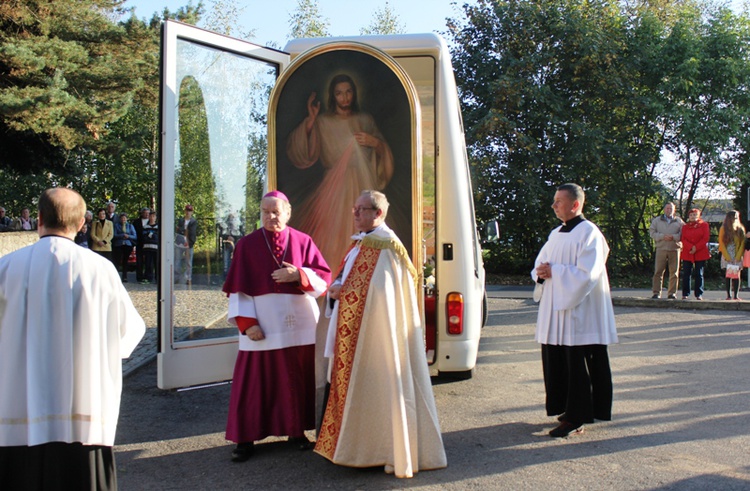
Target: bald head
[(61, 211)]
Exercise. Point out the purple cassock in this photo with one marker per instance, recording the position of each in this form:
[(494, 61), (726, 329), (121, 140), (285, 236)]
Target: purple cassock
[(252, 264), (273, 387)]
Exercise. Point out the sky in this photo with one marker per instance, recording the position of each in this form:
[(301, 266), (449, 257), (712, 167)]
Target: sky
[(270, 18)]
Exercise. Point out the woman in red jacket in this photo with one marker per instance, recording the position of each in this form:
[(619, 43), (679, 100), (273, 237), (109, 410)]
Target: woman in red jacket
[(694, 236)]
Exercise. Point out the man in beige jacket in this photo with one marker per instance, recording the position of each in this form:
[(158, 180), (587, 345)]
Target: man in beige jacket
[(665, 230)]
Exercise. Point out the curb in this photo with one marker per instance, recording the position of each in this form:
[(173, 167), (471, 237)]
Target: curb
[(681, 304)]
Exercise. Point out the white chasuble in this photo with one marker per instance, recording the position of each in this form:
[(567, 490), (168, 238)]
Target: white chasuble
[(287, 320), (381, 408), (349, 168)]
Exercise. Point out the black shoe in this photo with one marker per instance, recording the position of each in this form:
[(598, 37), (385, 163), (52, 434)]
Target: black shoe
[(302, 442), (242, 452), (672, 297), (655, 296), (562, 417), (565, 429)]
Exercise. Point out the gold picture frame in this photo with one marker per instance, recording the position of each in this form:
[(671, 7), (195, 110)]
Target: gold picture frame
[(386, 94)]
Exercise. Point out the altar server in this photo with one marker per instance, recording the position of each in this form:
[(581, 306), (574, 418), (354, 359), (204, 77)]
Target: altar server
[(66, 322), (576, 320)]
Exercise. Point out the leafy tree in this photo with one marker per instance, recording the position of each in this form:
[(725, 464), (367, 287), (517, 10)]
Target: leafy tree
[(21, 190), (385, 21), (124, 166), (548, 92), (66, 73), (223, 17), (121, 163), (706, 92), (307, 22), (257, 162), (194, 180)]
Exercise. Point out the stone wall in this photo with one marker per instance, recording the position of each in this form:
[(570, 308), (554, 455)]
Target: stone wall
[(11, 241)]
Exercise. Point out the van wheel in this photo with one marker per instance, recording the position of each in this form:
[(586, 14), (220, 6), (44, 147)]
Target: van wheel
[(485, 313), (456, 376)]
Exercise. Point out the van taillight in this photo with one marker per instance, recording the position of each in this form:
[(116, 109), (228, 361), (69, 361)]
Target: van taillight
[(454, 308)]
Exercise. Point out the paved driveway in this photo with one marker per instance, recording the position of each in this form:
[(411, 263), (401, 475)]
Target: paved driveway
[(681, 413)]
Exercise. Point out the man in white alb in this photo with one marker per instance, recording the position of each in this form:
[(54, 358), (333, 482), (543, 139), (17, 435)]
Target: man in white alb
[(66, 323), (576, 320)]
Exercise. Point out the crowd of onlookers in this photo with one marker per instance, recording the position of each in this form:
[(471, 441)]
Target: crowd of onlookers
[(24, 222), (688, 242), (109, 234), (679, 245), (114, 236)]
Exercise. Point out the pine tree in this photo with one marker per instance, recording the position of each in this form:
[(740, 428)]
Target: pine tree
[(67, 71)]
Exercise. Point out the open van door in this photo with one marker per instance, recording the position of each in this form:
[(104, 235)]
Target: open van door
[(214, 100)]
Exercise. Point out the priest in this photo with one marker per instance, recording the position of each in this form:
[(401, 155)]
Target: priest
[(274, 278), (576, 320), (66, 322), (381, 410)]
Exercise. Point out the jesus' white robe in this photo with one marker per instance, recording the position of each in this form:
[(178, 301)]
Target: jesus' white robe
[(350, 168), (66, 322), (576, 306), (381, 409)]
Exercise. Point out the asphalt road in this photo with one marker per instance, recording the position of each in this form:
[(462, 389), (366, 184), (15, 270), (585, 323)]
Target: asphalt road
[(681, 419)]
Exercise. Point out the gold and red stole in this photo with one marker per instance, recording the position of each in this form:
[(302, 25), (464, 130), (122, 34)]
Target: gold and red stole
[(352, 298)]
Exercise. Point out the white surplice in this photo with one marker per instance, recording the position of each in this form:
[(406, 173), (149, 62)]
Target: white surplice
[(287, 320), (65, 325), (390, 416), (576, 306)]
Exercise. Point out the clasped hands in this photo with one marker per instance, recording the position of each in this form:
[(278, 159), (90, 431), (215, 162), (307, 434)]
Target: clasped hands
[(544, 271)]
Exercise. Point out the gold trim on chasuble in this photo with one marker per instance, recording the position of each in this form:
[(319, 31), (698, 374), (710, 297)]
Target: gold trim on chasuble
[(351, 307), (348, 323)]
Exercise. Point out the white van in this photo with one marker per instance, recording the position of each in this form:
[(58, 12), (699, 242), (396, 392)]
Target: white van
[(228, 110)]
